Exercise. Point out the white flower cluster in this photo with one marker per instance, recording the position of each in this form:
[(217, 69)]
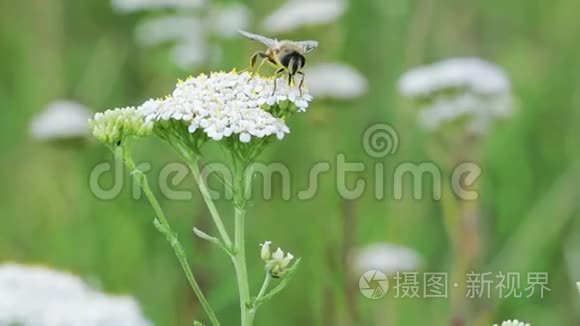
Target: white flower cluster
[(459, 88), (112, 126), (62, 119), (42, 297), (387, 258), (276, 263), (227, 104), (514, 322)]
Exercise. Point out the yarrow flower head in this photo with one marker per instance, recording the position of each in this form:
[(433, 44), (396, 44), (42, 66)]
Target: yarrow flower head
[(113, 126), (43, 297), (453, 89), (225, 105), (277, 264), (514, 322)]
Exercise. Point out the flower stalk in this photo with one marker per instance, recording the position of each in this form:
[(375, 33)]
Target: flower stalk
[(162, 225), (194, 168), (239, 258)]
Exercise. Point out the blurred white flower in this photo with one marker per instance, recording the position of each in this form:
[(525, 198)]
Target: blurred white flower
[(469, 74), (227, 20), (296, 13), (454, 89), (335, 80), (43, 297), (61, 120), (187, 33), (157, 30), (387, 258), (514, 322), (479, 111), (188, 55), (228, 104), (127, 6)]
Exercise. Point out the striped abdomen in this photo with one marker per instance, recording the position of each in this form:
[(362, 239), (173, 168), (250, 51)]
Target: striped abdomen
[(293, 62)]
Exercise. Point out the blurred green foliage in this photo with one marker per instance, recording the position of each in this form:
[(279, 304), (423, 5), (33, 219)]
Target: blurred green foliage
[(82, 50)]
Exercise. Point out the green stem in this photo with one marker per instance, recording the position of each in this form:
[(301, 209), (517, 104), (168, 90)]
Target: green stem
[(265, 285), (239, 258), (262, 292), (203, 189), (162, 224)]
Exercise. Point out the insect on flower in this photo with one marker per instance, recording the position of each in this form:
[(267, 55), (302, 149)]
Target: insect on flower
[(286, 56)]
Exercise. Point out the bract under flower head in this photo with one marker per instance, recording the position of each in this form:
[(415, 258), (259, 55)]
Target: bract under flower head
[(113, 126), (226, 105)]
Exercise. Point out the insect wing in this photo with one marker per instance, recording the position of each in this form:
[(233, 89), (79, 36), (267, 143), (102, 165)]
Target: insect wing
[(262, 39), (308, 45)]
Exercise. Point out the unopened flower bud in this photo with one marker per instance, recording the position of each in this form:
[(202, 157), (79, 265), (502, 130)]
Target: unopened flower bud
[(265, 252), (113, 126), (278, 255), (286, 261)]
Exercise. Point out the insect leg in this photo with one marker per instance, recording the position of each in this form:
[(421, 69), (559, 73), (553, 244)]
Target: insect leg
[(301, 81), (291, 70), (276, 74), (260, 66), (254, 60)]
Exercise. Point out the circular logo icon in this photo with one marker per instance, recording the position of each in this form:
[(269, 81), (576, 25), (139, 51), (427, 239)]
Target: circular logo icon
[(373, 284), (380, 140)]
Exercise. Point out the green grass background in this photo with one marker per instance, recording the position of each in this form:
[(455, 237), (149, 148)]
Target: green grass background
[(52, 49)]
